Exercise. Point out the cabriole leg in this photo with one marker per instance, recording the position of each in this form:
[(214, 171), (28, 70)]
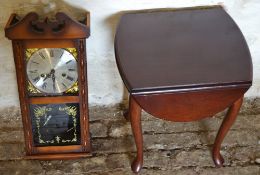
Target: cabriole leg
[(135, 119), (224, 128)]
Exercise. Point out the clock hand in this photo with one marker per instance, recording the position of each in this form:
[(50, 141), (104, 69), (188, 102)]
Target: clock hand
[(49, 117), (47, 76), (53, 80)]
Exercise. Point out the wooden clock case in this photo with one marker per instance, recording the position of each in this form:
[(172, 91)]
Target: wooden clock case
[(63, 32)]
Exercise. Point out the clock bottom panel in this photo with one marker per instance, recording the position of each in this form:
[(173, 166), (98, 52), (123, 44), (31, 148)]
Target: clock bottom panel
[(55, 124)]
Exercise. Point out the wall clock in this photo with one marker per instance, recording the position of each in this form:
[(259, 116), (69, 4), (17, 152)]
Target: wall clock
[(50, 60)]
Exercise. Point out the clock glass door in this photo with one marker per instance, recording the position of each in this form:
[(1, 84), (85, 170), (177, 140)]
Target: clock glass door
[(55, 124)]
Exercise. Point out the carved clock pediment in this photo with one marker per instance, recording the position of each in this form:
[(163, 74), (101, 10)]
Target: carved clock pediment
[(31, 27)]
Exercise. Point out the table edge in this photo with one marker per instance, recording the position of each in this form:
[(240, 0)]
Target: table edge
[(247, 84)]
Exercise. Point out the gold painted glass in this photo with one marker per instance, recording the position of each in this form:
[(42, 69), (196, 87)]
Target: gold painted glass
[(55, 124)]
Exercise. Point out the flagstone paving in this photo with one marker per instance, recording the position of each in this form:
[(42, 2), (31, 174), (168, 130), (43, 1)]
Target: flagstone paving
[(170, 148)]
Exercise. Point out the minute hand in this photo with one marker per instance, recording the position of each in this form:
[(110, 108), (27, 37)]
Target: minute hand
[(53, 80)]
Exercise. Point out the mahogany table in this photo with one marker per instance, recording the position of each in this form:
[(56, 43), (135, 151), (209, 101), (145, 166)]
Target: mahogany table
[(182, 65)]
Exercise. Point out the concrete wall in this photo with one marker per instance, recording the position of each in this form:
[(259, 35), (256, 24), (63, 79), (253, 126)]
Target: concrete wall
[(105, 85)]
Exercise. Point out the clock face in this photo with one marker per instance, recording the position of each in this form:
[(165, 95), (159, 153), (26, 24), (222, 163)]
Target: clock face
[(55, 124), (52, 70)]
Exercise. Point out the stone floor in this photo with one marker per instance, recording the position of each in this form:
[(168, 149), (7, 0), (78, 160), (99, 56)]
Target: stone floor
[(170, 148)]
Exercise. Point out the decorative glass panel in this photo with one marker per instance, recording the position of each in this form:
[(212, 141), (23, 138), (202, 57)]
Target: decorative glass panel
[(55, 124)]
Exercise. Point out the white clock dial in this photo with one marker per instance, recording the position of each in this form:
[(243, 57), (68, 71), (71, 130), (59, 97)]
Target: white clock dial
[(52, 70)]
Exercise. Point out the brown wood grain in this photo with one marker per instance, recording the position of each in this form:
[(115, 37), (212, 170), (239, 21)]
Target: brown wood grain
[(189, 106), (58, 156), (223, 130), (181, 49), (20, 74), (135, 118), (58, 149), (83, 96), (65, 43), (53, 100)]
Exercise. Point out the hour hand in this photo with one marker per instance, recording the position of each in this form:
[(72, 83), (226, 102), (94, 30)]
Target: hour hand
[(46, 76)]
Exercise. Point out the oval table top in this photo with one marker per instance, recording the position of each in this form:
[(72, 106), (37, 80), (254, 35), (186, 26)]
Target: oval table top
[(175, 50)]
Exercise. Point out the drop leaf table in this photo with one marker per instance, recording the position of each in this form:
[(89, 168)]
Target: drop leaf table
[(182, 65)]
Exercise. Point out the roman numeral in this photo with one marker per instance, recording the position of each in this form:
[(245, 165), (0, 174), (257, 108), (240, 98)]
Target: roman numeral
[(41, 55), (36, 79), (35, 62), (68, 61), (51, 53), (71, 69), (44, 85), (33, 71), (61, 54), (70, 78)]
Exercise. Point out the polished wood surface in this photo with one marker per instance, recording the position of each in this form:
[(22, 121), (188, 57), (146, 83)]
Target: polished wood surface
[(24, 100), (64, 32), (135, 118), (182, 49), (58, 149), (226, 125), (53, 100), (48, 43), (58, 156), (189, 106), (182, 65)]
